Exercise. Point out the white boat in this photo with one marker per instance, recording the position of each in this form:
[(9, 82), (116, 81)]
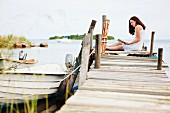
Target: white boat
[(65, 39), (39, 84)]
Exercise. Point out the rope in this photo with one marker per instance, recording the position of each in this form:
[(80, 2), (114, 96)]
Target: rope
[(15, 66), (76, 68)]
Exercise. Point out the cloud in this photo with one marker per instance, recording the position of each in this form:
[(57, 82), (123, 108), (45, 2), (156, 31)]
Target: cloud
[(43, 18)]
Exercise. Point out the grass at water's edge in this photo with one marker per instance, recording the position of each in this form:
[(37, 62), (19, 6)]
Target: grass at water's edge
[(10, 41)]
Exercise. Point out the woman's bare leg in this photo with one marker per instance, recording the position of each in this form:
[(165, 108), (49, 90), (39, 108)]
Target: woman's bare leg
[(115, 48), (116, 44)]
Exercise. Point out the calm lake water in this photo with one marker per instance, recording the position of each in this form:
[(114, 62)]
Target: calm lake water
[(56, 51), (54, 54)]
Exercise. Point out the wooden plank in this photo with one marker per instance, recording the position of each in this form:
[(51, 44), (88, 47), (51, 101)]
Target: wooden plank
[(124, 96), (80, 104), (130, 68), (128, 52), (130, 60), (103, 109), (114, 102), (129, 79), (115, 57), (128, 57), (132, 64), (130, 83), (125, 89), (127, 75), (127, 69), (125, 60)]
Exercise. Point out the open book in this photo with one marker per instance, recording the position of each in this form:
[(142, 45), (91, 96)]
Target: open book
[(121, 41)]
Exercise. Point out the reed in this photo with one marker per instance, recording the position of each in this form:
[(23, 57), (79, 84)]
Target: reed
[(9, 41), (30, 105)]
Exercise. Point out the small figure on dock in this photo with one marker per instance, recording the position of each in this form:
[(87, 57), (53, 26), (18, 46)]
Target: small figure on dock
[(22, 55), (136, 28)]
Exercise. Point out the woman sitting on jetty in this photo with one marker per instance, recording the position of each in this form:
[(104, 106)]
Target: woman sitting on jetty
[(136, 28)]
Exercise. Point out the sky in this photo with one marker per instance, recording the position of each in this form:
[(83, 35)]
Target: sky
[(41, 19)]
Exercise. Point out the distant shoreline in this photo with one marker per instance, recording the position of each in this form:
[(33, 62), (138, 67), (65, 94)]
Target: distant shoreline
[(75, 37)]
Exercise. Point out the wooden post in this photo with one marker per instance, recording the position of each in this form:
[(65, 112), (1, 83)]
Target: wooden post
[(152, 42), (98, 51), (84, 59), (93, 23), (160, 52), (2, 64), (104, 35), (67, 89), (103, 20)]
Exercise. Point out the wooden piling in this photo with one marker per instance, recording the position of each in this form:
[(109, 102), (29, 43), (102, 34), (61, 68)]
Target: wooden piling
[(103, 20), (160, 52), (104, 35), (152, 42), (98, 51), (67, 89), (84, 59), (2, 64), (93, 23)]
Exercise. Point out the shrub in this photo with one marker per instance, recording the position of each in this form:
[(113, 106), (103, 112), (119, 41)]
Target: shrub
[(10, 40)]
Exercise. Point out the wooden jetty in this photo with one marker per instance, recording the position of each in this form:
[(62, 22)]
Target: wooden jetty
[(130, 88), (121, 83)]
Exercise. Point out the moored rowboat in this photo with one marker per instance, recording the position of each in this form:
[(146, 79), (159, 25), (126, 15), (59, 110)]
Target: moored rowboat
[(27, 88)]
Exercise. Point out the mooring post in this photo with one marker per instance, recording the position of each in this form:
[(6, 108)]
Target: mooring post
[(67, 89), (104, 35), (1, 64), (84, 59), (160, 53), (103, 22), (152, 42), (98, 51), (93, 23)]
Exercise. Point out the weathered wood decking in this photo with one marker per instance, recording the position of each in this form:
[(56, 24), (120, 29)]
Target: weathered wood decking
[(123, 84)]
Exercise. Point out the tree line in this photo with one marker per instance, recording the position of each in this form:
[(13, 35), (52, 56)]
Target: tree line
[(75, 37)]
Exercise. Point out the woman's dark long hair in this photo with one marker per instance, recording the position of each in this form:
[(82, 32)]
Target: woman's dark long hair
[(138, 22)]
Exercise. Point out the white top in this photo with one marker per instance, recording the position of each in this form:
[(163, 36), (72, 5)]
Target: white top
[(136, 46)]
